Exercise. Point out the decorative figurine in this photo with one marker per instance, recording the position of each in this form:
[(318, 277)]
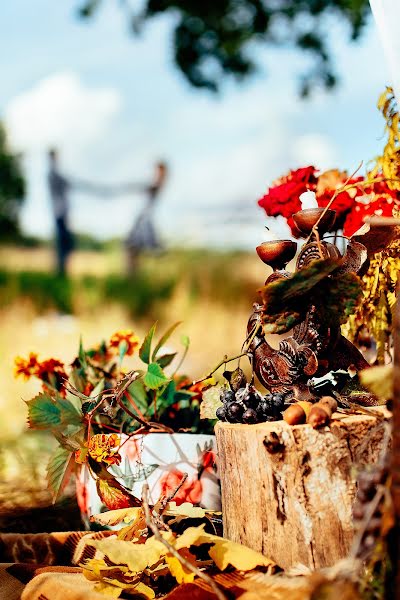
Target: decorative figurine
[(315, 346)]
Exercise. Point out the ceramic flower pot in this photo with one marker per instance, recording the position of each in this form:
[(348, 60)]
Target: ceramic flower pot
[(160, 459)]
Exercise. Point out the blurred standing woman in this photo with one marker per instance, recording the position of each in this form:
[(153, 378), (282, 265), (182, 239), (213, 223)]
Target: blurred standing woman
[(143, 235)]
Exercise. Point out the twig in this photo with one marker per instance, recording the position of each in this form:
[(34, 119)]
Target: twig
[(250, 337), (168, 498), (185, 563), (246, 345), (222, 362), (155, 404), (131, 400)]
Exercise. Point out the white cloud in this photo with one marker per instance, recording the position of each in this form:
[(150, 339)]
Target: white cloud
[(314, 149), (60, 110), (63, 111)]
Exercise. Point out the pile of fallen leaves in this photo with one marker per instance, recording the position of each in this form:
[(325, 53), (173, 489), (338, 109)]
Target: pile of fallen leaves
[(148, 556)]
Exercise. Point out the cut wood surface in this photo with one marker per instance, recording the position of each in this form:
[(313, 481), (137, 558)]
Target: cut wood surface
[(287, 491)]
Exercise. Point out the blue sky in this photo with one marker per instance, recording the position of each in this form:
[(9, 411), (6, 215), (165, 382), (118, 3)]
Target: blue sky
[(114, 104)]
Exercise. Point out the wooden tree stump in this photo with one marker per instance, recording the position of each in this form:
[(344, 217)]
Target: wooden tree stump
[(287, 491)]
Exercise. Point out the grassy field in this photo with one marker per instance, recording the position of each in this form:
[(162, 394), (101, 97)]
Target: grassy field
[(210, 292)]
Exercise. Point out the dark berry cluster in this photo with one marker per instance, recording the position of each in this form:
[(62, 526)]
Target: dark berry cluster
[(247, 405)]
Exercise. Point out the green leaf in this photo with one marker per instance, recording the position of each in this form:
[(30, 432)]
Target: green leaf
[(277, 294), (164, 338), (167, 396), (287, 301), (69, 413), (139, 394), (185, 341), (182, 395), (155, 377), (97, 390), (165, 359), (43, 412), (87, 407), (123, 348), (145, 349), (82, 355), (72, 442), (59, 470)]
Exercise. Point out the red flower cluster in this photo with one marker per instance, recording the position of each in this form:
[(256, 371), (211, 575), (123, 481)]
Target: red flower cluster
[(283, 198), (350, 205), (382, 206)]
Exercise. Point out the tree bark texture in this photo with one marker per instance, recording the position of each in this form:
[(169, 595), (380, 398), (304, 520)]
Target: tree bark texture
[(287, 491)]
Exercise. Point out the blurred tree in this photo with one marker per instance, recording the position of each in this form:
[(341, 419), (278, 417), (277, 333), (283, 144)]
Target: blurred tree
[(214, 37), (12, 189)]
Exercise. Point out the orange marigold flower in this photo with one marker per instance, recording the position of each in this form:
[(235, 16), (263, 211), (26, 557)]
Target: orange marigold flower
[(26, 367), (127, 336), (48, 367), (104, 448), (52, 373)]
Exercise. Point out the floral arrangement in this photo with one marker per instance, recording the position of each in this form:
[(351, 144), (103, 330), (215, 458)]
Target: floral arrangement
[(88, 404), (356, 200), (359, 199)]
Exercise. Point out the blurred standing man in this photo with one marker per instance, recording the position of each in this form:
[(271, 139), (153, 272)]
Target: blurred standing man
[(59, 188)]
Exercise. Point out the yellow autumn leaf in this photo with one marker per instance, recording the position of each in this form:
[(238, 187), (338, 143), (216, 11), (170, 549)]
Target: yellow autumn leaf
[(136, 556), (379, 381), (113, 517), (144, 590), (134, 532), (224, 553), (96, 568), (184, 510), (192, 536), (178, 570)]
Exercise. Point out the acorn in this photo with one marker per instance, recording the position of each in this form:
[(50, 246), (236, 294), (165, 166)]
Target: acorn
[(329, 401), (296, 414), (321, 413)]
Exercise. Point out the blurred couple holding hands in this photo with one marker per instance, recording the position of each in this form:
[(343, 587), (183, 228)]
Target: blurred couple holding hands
[(142, 235)]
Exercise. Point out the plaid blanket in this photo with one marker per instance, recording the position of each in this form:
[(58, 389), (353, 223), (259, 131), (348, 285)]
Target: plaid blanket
[(44, 567), (40, 566)]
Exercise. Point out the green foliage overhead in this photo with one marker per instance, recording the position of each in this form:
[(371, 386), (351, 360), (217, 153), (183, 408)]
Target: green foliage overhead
[(214, 38), (12, 189)]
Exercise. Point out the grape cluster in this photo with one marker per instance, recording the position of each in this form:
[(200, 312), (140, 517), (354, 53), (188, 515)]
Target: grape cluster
[(247, 405)]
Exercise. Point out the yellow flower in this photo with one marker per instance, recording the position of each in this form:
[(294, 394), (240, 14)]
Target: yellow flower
[(104, 448), (26, 367), (126, 336)]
